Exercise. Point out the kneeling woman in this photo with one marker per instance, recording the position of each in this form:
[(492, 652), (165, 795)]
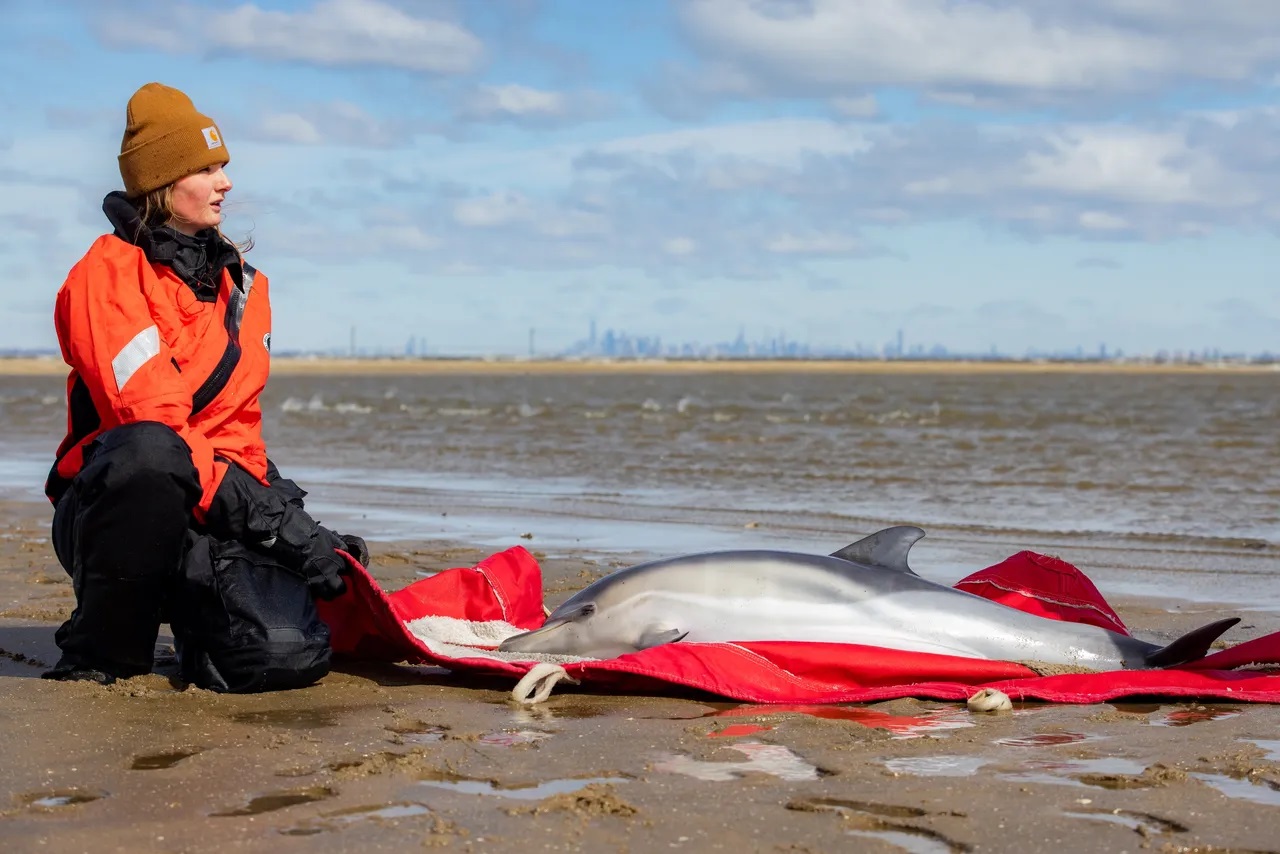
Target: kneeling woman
[(166, 505)]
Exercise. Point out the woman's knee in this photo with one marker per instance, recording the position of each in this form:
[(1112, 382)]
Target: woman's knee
[(147, 458)]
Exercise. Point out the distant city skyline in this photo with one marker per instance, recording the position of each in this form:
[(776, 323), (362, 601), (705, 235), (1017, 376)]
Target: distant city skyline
[(1017, 174)]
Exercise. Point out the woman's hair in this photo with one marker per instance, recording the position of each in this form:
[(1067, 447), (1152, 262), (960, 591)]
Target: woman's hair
[(156, 209)]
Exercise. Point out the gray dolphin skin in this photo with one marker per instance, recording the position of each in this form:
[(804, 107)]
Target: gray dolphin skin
[(863, 594)]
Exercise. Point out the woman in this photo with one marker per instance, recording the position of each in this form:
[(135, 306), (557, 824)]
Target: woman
[(166, 506)]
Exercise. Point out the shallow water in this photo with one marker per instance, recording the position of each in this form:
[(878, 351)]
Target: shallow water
[(1179, 466)]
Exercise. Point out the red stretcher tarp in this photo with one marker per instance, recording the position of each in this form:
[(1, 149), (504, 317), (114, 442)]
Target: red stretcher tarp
[(455, 619)]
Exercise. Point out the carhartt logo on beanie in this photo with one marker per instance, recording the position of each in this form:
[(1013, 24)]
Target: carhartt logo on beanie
[(165, 139)]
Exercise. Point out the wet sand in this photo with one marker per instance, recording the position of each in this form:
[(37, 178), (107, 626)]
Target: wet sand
[(401, 758)]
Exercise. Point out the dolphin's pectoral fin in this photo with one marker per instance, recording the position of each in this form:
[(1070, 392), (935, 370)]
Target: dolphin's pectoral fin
[(887, 548), (1191, 646), (657, 636)]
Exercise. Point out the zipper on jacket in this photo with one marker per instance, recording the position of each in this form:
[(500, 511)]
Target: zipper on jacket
[(217, 381)]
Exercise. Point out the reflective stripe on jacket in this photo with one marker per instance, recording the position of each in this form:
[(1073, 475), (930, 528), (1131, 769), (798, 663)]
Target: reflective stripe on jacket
[(141, 345)]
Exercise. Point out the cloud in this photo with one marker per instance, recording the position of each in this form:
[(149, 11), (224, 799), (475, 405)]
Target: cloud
[(1038, 49), (856, 107), (815, 244), (328, 33), (333, 123), (767, 200), (530, 107), (493, 209)]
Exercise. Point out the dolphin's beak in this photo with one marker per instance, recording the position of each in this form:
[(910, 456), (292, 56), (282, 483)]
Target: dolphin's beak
[(531, 641)]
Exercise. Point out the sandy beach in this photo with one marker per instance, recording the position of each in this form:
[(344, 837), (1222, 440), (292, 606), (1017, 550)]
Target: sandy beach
[(395, 758)]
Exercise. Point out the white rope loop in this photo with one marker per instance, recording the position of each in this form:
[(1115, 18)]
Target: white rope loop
[(539, 682)]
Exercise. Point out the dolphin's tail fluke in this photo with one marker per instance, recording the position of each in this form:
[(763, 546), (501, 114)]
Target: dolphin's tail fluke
[(1190, 646)]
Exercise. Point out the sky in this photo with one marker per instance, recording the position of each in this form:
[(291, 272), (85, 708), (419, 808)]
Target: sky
[(1023, 174)]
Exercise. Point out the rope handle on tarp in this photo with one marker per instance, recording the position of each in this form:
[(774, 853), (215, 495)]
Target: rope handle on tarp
[(539, 682)]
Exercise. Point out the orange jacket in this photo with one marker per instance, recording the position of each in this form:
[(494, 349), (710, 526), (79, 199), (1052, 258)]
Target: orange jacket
[(141, 345)]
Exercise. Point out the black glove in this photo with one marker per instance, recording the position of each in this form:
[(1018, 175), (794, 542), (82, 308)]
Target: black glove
[(322, 566), (356, 547), (264, 518)]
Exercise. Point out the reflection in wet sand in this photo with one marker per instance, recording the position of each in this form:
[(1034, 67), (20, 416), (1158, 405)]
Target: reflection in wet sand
[(512, 739), (902, 726), (1048, 739), (1187, 715), (936, 766), (1257, 791), (1272, 746), (61, 798), (535, 792), (1067, 771), (772, 759), (1141, 822)]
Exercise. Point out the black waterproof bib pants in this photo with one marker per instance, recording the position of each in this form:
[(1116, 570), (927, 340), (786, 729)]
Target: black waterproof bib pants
[(125, 533)]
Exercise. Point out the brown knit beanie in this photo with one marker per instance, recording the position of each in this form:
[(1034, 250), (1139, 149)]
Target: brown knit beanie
[(166, 139)]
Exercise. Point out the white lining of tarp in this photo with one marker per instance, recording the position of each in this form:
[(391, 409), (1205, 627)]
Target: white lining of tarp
[(454, 638), (132, 356)]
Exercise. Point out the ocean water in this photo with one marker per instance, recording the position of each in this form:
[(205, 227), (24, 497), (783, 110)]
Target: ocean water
[(1169, 467)]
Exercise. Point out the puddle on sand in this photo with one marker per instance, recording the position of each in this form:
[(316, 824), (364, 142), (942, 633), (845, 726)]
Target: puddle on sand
[(466, 786), (351, 815), (156, 761), (1144, 823), (909, 840), (1187, 715), (563, 712), (1272, 746), (1065, 772), (418, 733), (1262, 792), (60, 798), (290, 718), (772, 759), (936, 766), (1048, 739), (512, 739), (739, 730), (872, 821), (280, 800), (902, 726)]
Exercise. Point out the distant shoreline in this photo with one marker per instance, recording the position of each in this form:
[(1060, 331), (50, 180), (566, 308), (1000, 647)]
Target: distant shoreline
[(303, 366)]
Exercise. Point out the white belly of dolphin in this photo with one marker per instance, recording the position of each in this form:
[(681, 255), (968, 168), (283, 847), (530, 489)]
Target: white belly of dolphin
[(908, 622)]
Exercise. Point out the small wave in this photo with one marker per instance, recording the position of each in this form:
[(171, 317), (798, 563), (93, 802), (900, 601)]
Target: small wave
[(356, 408), (686, 403), (462, 412), (527, 411), (651, 405)]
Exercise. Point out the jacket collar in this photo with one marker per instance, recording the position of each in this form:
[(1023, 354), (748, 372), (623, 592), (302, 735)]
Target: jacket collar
[(198, 260)]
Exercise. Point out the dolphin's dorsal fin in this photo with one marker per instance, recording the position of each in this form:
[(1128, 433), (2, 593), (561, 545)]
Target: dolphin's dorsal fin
[(887, 548), (1190, 647)]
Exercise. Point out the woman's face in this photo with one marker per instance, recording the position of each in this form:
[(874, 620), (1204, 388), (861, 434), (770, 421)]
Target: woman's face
[(197, 200)]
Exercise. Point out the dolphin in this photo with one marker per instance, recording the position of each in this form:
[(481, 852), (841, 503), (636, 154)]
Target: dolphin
[(864, 594)]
